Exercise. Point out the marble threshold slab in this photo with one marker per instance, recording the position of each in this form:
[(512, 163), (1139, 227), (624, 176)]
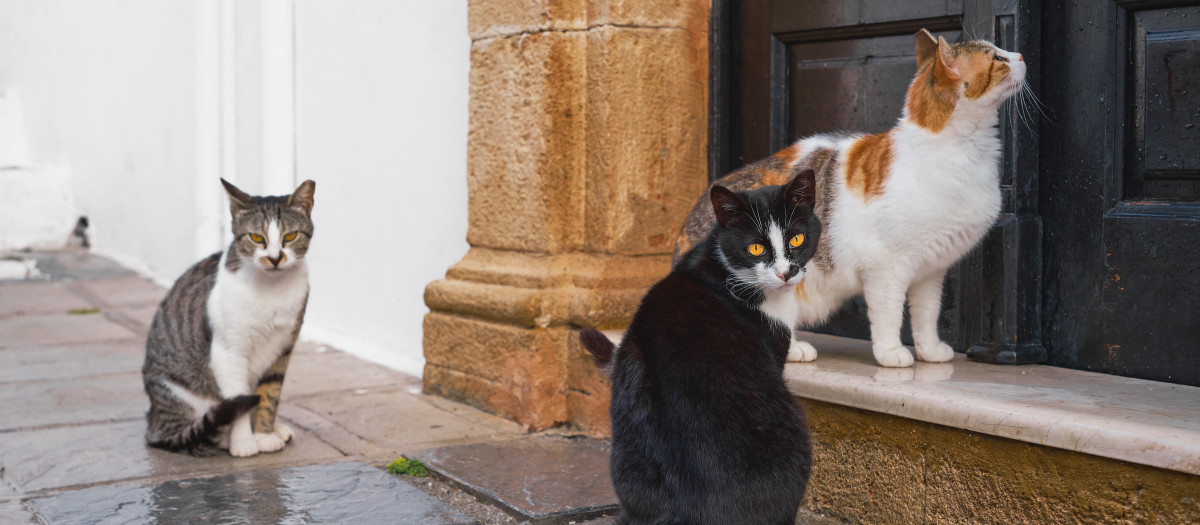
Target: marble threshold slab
[(1135, 420)]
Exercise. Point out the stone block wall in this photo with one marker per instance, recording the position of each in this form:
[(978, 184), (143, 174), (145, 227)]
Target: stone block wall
[(586, 150)]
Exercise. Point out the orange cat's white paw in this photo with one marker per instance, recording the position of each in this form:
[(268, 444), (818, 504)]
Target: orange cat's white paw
[(939, 353), (893, 357), (801, 352), (284, 432), (269, 442), (243, 448)]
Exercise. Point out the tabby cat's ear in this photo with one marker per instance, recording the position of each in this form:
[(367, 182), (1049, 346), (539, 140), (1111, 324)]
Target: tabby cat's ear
[(303, 196), (802, 190), (726, 205), (926, 47), (238, 199)]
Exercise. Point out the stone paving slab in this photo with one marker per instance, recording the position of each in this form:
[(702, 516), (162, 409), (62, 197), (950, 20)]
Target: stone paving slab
[(71, 361), (77, 400), (401, 422), (60, 265), (31, 331), (339, 493), (23, 298), (316, 368), (547, 480), (70, 456), (122, 290)]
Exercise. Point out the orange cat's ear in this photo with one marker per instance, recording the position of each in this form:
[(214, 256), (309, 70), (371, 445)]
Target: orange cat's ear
[(926, 47), (942, 70)]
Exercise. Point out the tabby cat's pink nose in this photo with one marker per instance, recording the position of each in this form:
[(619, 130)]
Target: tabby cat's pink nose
[(274, 260), (1020, 57)]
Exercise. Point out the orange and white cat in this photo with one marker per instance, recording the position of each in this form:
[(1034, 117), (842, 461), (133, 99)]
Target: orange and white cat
[(899, 207)]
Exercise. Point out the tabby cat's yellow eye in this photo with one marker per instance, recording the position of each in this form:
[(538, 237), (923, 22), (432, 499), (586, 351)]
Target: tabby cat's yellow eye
[(796, 241), (755, 249), (290, 237), (256, 237)]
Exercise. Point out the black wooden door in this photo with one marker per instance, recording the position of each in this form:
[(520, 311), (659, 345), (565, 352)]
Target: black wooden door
[(1120, 195), (785, 69)]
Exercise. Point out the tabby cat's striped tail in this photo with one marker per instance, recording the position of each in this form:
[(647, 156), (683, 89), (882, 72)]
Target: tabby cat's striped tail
[(198, 439)]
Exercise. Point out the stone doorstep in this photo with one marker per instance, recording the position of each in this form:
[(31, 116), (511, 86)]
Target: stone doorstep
[(1143, 422)]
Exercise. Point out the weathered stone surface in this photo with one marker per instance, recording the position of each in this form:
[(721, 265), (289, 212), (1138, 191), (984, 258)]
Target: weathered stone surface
[(643, 180), (71, 361), (401, 422), (524, 369), (525, 148), (492, 18), (76, 400), (339, 493), (79, 455), (544, 479), (586, 149), (29, 331), (876, 468)]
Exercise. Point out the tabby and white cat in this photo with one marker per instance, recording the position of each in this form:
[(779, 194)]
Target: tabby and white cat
[(899, 207), (220, 342)]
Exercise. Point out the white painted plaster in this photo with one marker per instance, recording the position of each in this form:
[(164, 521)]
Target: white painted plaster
[(144, 104)]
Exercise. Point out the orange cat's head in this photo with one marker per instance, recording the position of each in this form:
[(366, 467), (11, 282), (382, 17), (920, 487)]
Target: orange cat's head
[(951, 77)]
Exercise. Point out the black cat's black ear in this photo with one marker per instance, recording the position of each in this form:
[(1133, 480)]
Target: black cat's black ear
[(303, 196), (727, 206), (802, 190), (238, 199)]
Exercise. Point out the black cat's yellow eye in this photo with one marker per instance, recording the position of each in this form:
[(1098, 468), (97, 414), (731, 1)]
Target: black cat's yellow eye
[(755, 249), (796, 241), (256, 238), (290, 237)]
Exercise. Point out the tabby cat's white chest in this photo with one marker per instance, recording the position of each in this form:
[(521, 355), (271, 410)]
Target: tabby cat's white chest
[(254, 314)]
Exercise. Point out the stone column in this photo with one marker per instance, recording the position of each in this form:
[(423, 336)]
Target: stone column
[(587, 148)]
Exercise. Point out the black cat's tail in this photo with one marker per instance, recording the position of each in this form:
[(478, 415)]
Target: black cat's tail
[(198, 438), (599, 346)]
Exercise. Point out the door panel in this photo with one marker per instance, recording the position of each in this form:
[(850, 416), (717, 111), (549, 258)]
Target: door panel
[(1120, 195)]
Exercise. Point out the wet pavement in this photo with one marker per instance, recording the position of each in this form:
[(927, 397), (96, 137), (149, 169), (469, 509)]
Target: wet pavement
[(338, 493)]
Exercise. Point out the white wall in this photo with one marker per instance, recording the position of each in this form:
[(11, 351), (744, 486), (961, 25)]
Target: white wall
[(381, 126), (144, 103), (107, 94)]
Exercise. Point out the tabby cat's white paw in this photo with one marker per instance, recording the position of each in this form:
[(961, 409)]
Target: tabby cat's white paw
[(939, 353), (269, 442), (801, 351), (284, 432), (894, 357), (243, 448)]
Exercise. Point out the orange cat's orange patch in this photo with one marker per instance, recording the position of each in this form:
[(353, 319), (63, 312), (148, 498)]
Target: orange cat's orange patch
[(868, 162), (780, 177), (931, 98), (984, 73)]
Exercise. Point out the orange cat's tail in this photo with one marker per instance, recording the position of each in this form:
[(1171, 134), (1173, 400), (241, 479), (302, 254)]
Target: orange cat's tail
[(599, 346)]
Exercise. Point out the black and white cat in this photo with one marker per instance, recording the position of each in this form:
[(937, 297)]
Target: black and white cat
[(221, 340), (704, 429)]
